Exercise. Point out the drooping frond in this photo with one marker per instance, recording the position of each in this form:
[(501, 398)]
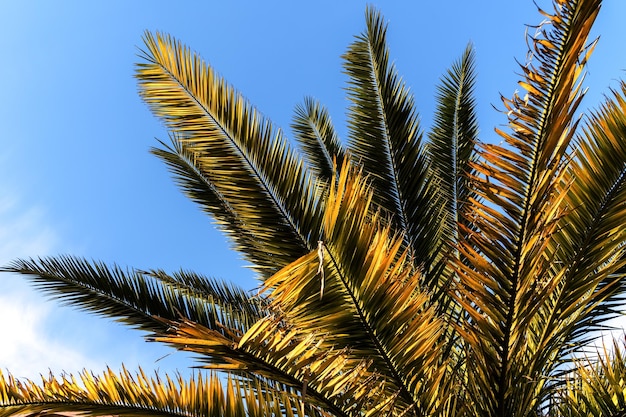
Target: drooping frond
[(138, 395), (140, 298), (252, 172), (510, 280), (453, 139), (316, 134), (385, 138)]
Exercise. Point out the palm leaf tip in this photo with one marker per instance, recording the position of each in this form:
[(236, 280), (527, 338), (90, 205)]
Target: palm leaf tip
[(316, 134), (382, 119)]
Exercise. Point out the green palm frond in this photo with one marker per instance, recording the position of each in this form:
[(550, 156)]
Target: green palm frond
[(141, 299), (511, 280), (254, 174), (454, 136), (385, 138), (591, 233), (317, 136), (452, 150), (199, 188), (125, 394)]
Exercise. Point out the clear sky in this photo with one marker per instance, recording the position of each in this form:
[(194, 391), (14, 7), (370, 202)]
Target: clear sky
[(75, 173)]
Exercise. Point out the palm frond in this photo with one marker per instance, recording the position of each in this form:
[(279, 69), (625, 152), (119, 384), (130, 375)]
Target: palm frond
[(596, 386), (399, 278), (385, 138), (246, 160), (361, 303), (125, 394), (317, 136), (361, 290), (199, 188), (592, 236), (509, 282), (273, 349), (231, 308), (141, 299), (452, 150), (590, 242), (454, 136)]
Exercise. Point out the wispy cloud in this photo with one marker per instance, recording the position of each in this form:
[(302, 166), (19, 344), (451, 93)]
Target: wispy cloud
[(37, 336), (23, 231), (26, 350), (26, 346)]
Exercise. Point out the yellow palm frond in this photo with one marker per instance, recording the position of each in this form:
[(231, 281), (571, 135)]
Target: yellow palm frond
[(510, 280), (361, 290), (355, 329), (125, 394), (324, 378), (595, 387), (233, 154)]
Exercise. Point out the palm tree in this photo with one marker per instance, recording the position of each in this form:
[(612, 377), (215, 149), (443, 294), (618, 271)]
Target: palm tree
[(401, 273)]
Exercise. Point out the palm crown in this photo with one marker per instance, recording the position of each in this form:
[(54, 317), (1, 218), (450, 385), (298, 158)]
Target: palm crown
[(402, 273)]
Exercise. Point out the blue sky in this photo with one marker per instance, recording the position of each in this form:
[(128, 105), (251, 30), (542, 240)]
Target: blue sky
[(75, 173)]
